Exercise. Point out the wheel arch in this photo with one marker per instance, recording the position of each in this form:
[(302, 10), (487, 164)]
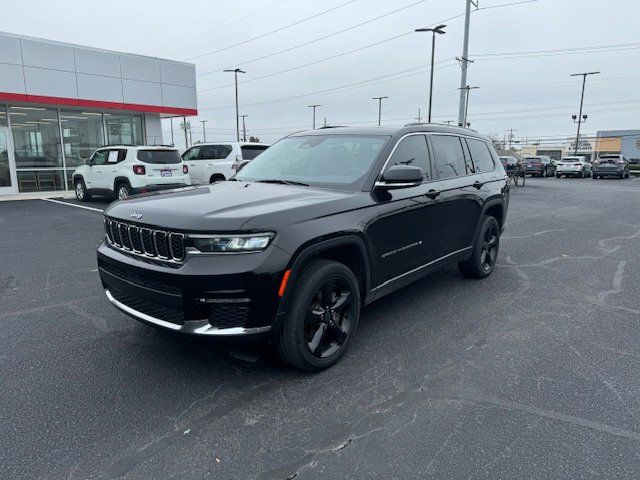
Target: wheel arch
[(118, 180)]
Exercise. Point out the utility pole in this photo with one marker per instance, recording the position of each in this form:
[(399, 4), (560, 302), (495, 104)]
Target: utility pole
[(464, 61), (511, 130), (184, 126), (244, 128), (466, 90), (236, 71), (314, 113), (325, 121), (171, 122), (419, 117), (580, 117), (204, 133), (379, 108), (437, 30)]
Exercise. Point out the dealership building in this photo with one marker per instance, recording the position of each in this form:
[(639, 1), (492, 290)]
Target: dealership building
[(59, 102)]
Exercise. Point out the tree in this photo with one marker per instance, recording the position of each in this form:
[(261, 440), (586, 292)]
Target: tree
[(254, 139)]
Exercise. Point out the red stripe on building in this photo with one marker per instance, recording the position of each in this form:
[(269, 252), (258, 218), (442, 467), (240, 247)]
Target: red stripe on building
[(75, 102)]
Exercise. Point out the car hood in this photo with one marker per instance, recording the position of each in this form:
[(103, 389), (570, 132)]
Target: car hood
[(230, 206)]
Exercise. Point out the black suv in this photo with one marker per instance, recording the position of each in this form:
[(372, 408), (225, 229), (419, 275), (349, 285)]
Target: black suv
[(319, 225)]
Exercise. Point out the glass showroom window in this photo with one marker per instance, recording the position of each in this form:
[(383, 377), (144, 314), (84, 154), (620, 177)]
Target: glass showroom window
[(82, 134), (124, 129), (38, 152), (3, 115)]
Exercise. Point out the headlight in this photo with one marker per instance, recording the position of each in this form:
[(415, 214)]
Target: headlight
[(231, 243)]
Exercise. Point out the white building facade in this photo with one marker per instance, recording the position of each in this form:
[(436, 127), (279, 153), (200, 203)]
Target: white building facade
[(59, 102)]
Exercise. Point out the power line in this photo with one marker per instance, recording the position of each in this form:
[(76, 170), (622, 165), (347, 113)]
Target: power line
[(244, 42), (245, 62), (217, 29)]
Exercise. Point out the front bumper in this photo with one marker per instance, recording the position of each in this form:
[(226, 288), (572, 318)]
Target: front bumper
[(210, 295)]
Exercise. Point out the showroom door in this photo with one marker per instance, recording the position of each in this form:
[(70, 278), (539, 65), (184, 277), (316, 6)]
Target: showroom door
[(8, 183)]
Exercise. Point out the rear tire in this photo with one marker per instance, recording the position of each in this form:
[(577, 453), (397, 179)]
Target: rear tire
[(81, 191), (558, 175), (485, 251), (123, 191), (322, 316)]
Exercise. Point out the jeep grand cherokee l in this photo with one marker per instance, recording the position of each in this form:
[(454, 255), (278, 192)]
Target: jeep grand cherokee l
[(319, 225)]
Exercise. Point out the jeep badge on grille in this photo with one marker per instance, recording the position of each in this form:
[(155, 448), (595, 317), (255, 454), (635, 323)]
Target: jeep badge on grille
[(136, 215)]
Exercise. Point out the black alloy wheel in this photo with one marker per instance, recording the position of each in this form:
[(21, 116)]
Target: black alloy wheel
[(485, 251), (322, 316)]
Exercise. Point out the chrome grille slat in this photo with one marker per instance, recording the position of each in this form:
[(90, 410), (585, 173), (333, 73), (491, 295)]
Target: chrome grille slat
[(143, 241)]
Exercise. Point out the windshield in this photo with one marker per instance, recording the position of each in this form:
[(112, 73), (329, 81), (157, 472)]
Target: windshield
[(334, 161), (159, 156)]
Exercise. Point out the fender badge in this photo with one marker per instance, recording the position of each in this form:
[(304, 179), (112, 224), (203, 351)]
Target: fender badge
[(136, 215)]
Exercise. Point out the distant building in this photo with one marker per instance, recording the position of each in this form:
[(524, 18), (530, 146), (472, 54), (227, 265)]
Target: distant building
[(560, 150), (624, 142)]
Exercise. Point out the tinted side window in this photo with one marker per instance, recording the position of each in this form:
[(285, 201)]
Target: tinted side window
[(100, 157), (449, 156), (412, 150), (214, 152), (481, 155), (191, 154), (249, 152)]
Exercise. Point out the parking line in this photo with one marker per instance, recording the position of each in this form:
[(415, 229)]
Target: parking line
[(93, 209)]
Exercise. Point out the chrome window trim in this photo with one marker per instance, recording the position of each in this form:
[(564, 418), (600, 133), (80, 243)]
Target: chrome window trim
[(393, 150)]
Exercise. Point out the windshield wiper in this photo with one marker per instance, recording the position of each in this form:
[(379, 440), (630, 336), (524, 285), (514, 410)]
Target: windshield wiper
[(283, 182)]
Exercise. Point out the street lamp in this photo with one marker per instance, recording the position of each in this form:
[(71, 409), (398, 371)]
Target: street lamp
[(437, 30), (581, 117), (379, 108), (466, 105), (244, 128), (314, 113), (204, 133), (236, 71)]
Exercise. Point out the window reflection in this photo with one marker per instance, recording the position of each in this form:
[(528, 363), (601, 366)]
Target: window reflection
[(82, 133), (3, 116), (124, 129)]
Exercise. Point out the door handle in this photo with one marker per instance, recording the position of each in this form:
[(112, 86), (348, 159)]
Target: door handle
[(478, 184), (432, 194)]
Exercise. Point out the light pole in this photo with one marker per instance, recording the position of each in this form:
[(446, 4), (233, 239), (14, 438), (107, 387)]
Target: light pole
[(379, 108), (314, 113), (244, 128), (437, 30), (580, 117), (204, 133), (466, 103), (236, 71)]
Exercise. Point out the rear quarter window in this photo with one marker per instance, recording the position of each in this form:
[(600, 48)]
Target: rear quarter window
[(159, 156), (249, 152), (481, 155)]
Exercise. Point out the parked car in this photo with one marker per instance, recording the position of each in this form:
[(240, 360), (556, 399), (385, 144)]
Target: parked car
[(610, 166), (122, 170), (319, 225), (577, 166), (214, 162), (539, 165), (508, 162)]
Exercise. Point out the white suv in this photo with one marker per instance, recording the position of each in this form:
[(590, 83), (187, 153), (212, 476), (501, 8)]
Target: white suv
[(122, 170), (214, 162)]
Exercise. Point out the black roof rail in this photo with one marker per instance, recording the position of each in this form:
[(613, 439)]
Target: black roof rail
[(331, 126), (119, 145)]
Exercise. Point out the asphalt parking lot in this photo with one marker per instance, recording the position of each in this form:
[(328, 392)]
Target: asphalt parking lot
[(532, 373)]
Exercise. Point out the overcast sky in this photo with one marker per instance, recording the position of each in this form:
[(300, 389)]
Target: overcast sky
[(531, 93)]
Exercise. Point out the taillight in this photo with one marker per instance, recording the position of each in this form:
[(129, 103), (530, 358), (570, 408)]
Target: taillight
[(185, 169), (139, 169), (620, 162)]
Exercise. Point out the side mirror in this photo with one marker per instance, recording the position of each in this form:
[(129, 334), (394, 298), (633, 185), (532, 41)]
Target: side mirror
[(241, 165), (401, 176), (88, 161)]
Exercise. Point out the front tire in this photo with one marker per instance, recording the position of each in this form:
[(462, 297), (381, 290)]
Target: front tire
[(322, 318), (485, 251), (81, 191), (558, 175)]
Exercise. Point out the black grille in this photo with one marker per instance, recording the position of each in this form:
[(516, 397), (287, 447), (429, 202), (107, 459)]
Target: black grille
[(229, 315), (136, 241), (123, 230), (162, 247), (154, 310), (142, 279), (145, 241), (176, 243)]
